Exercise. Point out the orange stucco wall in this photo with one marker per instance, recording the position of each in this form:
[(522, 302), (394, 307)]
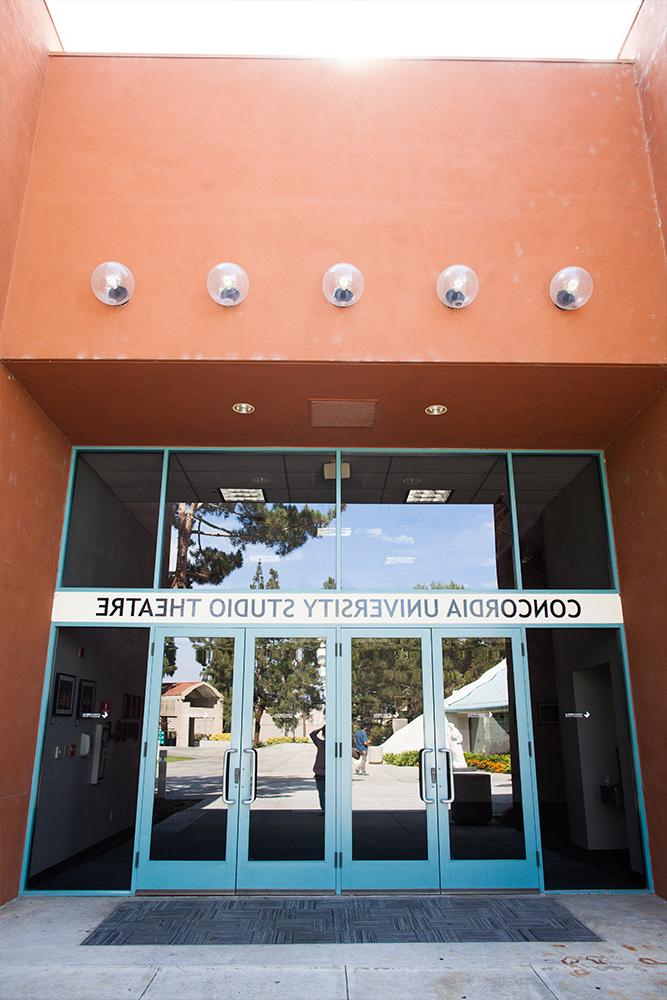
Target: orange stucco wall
[(34, 458), (637, 471), (33, 454), (26, 36), (288, 166), (647, 46)]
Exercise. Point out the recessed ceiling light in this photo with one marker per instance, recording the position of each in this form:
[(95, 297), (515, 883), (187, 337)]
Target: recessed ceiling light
[(243, 408), (428, 496), (330, 470), (232, 494), (435, 409), (411, 481)]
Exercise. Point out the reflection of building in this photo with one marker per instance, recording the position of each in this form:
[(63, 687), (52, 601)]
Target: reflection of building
[(480, 712), (190, 709)]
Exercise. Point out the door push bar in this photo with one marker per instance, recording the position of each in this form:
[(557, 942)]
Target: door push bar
[(422, 775), (450, 776), (225, 777), (253, 778)]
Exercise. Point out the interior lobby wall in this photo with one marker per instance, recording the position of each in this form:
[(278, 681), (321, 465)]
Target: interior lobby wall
[(73, 812)]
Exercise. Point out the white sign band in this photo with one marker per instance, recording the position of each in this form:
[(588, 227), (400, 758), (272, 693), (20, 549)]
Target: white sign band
[(435, 608)]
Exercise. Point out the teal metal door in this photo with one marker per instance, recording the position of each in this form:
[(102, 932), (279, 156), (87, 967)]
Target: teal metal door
[(189, 797), (290, 764), (486, 788)]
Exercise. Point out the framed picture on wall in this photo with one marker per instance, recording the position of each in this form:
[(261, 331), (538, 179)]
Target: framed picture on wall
[(86, 697), (63, 694)]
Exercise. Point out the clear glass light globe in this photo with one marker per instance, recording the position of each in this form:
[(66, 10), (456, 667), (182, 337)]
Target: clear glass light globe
[(227, 284), (343, 285), (571, 288), (113, 283), (457, 286)]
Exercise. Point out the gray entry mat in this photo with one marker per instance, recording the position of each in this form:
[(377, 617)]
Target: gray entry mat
[(338, 920)]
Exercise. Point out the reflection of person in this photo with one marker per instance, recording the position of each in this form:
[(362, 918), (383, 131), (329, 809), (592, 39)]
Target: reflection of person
[(361, 746), (456, 746), (319, 739)]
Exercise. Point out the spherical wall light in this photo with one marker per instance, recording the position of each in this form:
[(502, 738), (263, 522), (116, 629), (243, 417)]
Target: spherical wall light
[(227, 284), (343, 285), (112, 283), (457, 286), (571, 287)]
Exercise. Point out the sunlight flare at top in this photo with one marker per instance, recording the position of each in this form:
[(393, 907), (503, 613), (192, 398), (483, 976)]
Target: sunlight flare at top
[(348, 29)]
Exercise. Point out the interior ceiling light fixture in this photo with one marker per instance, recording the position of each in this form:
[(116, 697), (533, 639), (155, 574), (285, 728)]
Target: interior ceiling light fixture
[(571, 287), (457, 286), (227, 284), (330, 470), (243, 408), (112, 283), (436, 409), (229, 495), (428, 496), (343, 285)]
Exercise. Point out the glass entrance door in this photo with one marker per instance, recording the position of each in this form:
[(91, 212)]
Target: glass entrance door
[(287, 818), (192, 761), (484, 750), (388, 822), (337, 759)]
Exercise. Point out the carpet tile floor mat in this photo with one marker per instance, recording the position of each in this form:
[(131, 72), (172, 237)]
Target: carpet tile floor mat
[(338, 920)]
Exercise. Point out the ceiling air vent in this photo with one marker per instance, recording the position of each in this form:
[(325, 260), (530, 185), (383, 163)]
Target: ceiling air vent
[(342, 412)]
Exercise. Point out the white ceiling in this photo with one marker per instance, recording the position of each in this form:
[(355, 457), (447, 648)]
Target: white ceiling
[(348, 29)]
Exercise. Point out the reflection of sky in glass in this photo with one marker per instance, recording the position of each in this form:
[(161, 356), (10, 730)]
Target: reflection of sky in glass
[(187, 668), (386, 547), (393, 547)]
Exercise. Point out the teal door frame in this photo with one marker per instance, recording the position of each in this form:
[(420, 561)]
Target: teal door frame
[(523, 873), (186, 873), (338, 870), (290, 874)]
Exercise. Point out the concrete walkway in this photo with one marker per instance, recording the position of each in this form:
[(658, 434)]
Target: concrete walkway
[(41, 959)]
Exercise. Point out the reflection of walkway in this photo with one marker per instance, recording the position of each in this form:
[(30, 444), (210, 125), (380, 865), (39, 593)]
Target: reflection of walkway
[(200, 775), (285, 780), (388, 817)]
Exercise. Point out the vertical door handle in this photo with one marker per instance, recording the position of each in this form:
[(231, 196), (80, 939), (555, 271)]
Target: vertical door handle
[(225, 777), (449, 764), (253, 778), (422, 775)]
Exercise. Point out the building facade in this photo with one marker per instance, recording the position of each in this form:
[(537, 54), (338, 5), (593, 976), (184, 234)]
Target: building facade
[(338, 559)]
